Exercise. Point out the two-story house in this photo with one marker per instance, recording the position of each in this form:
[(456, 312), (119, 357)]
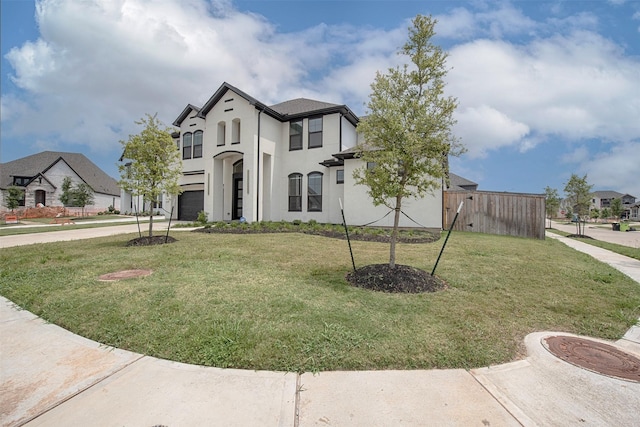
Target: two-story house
[(294, 160)]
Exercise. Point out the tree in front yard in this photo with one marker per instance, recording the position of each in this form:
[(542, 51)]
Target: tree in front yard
[(12, 197), (79, 195), (578, 191), (552, 202), (616, 208), (407, 130), (155, 164), (605, 213)]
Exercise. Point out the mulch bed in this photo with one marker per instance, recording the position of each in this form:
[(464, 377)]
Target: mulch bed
[(423, 237), (149, 241), (580, 236), (401, 279)]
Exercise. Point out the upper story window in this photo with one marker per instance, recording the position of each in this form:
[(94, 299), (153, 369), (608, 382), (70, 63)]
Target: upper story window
[(295, 192), (235, 131), (295, 135), (197, 144), (314, 195), (315, 132), (340, 176), (222, 133), (186, 145), (21, 181)]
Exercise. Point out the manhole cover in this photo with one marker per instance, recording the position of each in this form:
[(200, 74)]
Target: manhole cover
[(595, 356), (124, 274)]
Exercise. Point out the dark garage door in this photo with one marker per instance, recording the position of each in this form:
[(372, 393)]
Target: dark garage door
[(189, 204)]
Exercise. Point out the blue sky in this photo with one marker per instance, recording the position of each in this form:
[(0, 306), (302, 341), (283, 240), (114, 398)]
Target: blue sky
[(545, 88)]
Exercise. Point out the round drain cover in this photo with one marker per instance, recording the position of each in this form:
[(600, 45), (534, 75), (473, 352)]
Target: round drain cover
[(595, 356)]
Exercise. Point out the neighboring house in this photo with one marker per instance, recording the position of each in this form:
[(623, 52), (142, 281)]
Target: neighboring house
[(634, 212), (41, 176), (458, 183), (602, 199), (294, 160)]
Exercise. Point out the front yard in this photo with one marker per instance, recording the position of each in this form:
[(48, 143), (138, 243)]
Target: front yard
[(280, 301)]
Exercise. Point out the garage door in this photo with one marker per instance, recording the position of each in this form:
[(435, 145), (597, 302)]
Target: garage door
[(189, 204)]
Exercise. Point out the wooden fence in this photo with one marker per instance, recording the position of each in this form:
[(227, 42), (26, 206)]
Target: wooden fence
[(512, 214)]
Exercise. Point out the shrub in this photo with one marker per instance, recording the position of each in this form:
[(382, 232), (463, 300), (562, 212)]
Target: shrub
[(202, 217)]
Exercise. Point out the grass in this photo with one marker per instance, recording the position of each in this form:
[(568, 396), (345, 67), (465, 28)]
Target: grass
[(280, 301), (613, 247)]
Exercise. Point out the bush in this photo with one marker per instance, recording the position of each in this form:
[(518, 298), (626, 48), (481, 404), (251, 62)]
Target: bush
[(297, 222), (202, 217)]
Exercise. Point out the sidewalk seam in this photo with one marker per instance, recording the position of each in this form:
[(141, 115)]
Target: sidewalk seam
[(509, 411), (296, 404), (66, 399)]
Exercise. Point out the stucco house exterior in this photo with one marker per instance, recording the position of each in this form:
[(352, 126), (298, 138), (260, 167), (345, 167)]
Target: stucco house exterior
[(243, 159), (41, 176)]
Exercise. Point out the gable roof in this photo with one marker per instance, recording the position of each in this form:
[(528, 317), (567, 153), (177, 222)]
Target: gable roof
[(607, 194), (32, 166), (458, 183), (284, 111), (185, 114)]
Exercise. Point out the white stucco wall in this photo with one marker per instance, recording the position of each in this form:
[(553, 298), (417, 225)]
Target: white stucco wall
[(359, 208)]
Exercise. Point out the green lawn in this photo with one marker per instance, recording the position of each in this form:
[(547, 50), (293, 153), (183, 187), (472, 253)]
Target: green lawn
[(12, 230), (613, 247), (280, 301)]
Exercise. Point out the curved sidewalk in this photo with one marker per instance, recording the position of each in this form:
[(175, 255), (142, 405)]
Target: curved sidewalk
[(50, 377)]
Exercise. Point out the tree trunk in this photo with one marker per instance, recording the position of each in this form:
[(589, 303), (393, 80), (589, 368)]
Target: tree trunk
[(394, 233), (151, 224)]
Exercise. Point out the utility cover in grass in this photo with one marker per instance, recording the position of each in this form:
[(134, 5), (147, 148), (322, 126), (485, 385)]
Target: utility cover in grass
[(401, 278), (149, 241)]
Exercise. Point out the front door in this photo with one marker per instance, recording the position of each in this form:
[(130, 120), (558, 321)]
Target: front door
[(237, 196), (41, 197)]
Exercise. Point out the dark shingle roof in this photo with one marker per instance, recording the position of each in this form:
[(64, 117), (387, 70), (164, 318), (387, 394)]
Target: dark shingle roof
[(607, 194), (35, 164), (301, 106), (458, 183)]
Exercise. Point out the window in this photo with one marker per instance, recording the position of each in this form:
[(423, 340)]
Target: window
[(295, 192), (340, 176), (197, 144), (315, 132), (21, 181), (222, 133), (371, 165), (235, 131), (186, 146), (295, 135), (314, 192)]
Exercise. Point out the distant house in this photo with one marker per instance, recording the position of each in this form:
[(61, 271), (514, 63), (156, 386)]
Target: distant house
[(243, 159), (602, 199), (41, 176), (458, 183)]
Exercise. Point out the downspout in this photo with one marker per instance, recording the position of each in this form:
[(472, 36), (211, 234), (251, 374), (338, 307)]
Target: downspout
[(258, 171)]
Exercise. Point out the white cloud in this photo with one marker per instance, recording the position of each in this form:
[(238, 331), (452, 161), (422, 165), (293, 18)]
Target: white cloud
[(616, 169)]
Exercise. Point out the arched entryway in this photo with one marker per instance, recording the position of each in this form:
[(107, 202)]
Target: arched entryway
[(41, 197)]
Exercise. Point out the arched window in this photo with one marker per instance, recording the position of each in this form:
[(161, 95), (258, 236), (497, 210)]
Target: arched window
[(222, 133), (235, 131), (295, 192), (197, 144), (314, 192), (186, 145)]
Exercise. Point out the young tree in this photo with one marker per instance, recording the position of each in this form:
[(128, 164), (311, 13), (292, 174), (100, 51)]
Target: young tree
[(155, 164), (616, 208), (407, 131), (12, 197), (552, 202), (605, 213), (594, 213), (83, 195), (66, 195), (579, 193)]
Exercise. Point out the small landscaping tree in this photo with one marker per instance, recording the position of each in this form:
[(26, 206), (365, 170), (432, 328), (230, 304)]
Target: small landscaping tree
[(83, 195), (594, 213), (12, 197), (155, 163), (605, 213), (66, 195), (407, 131), (616, 208), (552, 202), (579, 193)]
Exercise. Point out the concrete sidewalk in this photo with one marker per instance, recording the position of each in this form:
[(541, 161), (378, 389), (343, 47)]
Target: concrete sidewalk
[(50, 377), (603, 232)]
